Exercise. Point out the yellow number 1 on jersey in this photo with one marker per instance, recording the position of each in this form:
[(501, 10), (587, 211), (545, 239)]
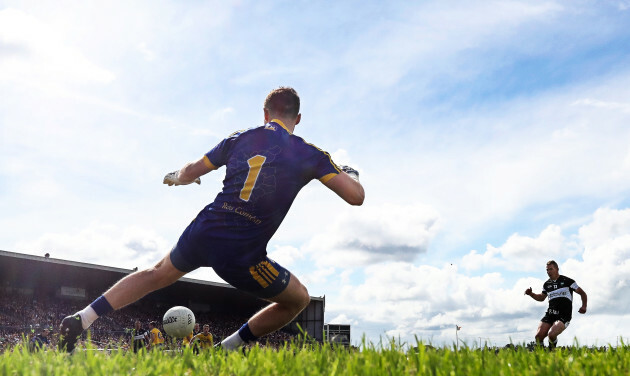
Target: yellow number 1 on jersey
[(255, 165)]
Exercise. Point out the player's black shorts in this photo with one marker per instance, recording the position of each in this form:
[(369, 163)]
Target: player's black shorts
[(137, 346), (552, 315), (263, 278)]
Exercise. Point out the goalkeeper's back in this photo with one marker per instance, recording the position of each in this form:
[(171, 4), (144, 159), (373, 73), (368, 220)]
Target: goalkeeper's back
[(266, 167)]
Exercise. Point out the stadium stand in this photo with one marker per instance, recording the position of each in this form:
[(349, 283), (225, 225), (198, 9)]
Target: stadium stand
[(37, 292)]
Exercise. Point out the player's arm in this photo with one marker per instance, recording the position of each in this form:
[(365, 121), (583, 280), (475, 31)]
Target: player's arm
[(190, 173), (537, 297), (584, 298), (346, 185)]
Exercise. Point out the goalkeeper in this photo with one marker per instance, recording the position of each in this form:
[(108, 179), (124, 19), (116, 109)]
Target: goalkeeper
[(266, 166)]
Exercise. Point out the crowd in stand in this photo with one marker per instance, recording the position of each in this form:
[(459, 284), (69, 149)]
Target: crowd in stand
[(25, 316)]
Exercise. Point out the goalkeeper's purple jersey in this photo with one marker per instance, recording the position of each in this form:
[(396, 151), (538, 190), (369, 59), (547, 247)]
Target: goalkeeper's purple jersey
[(266, 167)]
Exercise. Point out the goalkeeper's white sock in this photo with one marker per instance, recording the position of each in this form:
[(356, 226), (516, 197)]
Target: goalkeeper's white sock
[(239, 338), (99, 307), (88, 316), (232, 342)]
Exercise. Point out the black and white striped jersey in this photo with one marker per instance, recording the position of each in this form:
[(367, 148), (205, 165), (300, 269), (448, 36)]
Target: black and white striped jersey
[(560, 294)]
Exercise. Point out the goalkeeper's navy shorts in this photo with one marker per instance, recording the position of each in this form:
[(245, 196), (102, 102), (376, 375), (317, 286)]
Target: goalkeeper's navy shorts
[(262, 277)]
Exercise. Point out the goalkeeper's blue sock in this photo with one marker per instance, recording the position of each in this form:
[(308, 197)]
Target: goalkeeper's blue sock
[(246, 334), (99, 307)]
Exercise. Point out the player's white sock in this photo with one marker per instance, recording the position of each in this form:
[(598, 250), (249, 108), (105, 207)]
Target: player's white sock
[(232, 342), (88, 316)]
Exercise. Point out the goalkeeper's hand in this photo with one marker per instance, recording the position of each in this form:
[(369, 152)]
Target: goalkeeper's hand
[(172, 178), (350, 171)]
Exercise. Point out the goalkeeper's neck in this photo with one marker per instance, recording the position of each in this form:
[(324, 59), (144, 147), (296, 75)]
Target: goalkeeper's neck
[(288, 122)]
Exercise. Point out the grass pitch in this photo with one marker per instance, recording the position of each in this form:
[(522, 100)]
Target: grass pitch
[(302, 359)]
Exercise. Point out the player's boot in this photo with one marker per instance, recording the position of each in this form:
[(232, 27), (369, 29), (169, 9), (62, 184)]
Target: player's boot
[(552, 345), (70, 331)]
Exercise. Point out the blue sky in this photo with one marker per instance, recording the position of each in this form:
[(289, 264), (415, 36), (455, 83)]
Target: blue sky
[(490, 137)]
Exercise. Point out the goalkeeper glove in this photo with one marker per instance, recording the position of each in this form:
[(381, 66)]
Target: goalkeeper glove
[(350, 171), (172, 178)]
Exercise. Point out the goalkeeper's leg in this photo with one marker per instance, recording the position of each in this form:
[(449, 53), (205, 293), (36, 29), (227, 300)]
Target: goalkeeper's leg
[(126, 291), (136, 285), (283, 309)]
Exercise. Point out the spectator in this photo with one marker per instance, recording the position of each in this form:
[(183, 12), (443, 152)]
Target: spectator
[(39, 341)]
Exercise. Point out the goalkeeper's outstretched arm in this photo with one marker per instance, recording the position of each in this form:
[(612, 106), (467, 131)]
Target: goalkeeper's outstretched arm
[(347, 186), (190, 173)]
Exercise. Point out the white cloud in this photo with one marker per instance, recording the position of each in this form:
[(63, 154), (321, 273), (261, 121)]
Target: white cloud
[(607, 225), (39, 56), (285, 255), (428, 301), (342, 157), (623, 5), (624, 107), (523, 253), (535, 154), (102, 244), (319, 275), (219, 125), (598, 330), (205, 274), (429, 36), (374, 233), (342, 320), (147, 53), (604, 272)]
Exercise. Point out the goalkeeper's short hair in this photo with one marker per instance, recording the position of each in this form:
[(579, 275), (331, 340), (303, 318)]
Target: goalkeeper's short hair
[(283, 101)]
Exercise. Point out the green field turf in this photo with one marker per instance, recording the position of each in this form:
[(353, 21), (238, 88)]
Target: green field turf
[(320, 360)]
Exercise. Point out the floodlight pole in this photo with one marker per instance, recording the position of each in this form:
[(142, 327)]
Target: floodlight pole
[(456, 338)]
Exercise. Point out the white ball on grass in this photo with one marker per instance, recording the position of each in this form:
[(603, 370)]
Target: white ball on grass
[(178, 322)]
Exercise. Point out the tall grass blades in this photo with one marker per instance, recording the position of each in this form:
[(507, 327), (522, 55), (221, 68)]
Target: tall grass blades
[(304, 358)]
